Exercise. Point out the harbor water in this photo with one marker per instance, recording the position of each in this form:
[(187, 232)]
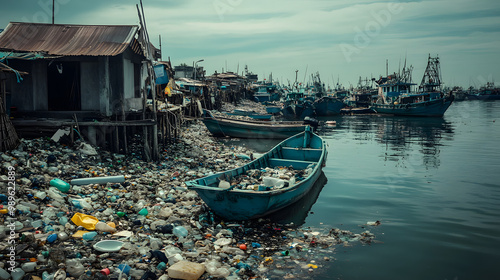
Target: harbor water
[(433, 183)]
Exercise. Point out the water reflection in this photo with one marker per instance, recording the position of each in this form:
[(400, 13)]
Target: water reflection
[(403, 136), (298, 212)]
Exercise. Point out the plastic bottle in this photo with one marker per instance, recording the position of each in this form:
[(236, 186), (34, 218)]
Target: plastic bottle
[(52, 238), (63, 221), (62, 236), (124, 268), (4, 274), (17, 274), (180, 231), (47, 276), (60, 185), (101, 226), (143, 212), (89, 235), (81, 204)]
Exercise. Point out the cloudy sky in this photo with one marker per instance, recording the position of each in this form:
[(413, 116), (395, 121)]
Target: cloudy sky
[(340, 39)]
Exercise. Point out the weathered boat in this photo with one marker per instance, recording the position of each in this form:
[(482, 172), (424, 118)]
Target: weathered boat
[(328, 106), (304, 152), (488, 92), (397, 97), (251, 114), (221, 127), (273, 109), (298, 110)]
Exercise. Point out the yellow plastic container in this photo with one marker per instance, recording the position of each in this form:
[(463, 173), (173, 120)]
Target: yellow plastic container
[(85, 221)]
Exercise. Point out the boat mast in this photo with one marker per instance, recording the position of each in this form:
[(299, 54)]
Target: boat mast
[(432, 75)]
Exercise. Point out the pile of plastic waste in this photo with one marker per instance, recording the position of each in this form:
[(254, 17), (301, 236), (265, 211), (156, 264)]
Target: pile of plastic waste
[(79, 212)]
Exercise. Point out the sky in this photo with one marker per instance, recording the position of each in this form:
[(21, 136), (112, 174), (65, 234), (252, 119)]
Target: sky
[(342, 40)]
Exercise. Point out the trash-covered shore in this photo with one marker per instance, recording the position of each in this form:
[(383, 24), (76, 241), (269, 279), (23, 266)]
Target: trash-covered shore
[(136, 220)]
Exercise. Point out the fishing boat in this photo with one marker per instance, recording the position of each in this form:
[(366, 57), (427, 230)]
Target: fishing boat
[(231, 196), (221, 127), (397, 98), (251, 114), (298, 109), (328, 106), (487, 92)]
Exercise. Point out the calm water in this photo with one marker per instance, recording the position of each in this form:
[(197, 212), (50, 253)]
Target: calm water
[(434, 183)]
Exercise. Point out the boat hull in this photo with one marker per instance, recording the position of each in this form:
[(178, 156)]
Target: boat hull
[(298, 111), (273, 109), (247, 129), (236, 204), (483, 96), (328, 106), (433, 108), (252, 115)]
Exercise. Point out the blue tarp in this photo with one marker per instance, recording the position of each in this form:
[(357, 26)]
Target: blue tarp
[(161, 75)]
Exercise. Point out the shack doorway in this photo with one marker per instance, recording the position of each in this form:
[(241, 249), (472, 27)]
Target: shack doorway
[(63, 85)]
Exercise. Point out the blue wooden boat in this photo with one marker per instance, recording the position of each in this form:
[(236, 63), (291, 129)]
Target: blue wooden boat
[(328, 106), (251, 114), (221, 127), (304, 152), (273, 109)]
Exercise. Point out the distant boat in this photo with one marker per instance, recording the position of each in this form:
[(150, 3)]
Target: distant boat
[(488, 92), (221, 127), (251, 114), (328, 106), (397, 98), (304, 152), (273, 109), (297, 107), (265, 93)]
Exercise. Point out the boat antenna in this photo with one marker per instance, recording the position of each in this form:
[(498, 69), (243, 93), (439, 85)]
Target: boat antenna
[(387, 67), (305, 73)]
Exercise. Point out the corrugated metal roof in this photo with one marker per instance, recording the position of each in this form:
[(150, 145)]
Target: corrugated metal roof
[(66, 40)]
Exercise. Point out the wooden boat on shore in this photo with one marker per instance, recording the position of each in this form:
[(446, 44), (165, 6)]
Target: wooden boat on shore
[(305, 153), (221, 127), (251, 114)]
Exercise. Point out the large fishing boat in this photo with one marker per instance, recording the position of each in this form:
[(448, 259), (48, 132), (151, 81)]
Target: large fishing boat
[(396, 96)]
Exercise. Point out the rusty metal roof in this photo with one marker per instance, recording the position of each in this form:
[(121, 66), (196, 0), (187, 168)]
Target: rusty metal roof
[(67, 39)]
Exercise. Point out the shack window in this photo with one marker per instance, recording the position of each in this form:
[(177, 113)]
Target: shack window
[(63, 85)]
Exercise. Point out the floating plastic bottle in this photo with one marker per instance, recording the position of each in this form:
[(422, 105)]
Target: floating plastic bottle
[(60, 185)]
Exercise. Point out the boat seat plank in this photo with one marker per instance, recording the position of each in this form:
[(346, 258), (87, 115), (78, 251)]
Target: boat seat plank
[(296, 164), (305, 154)]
